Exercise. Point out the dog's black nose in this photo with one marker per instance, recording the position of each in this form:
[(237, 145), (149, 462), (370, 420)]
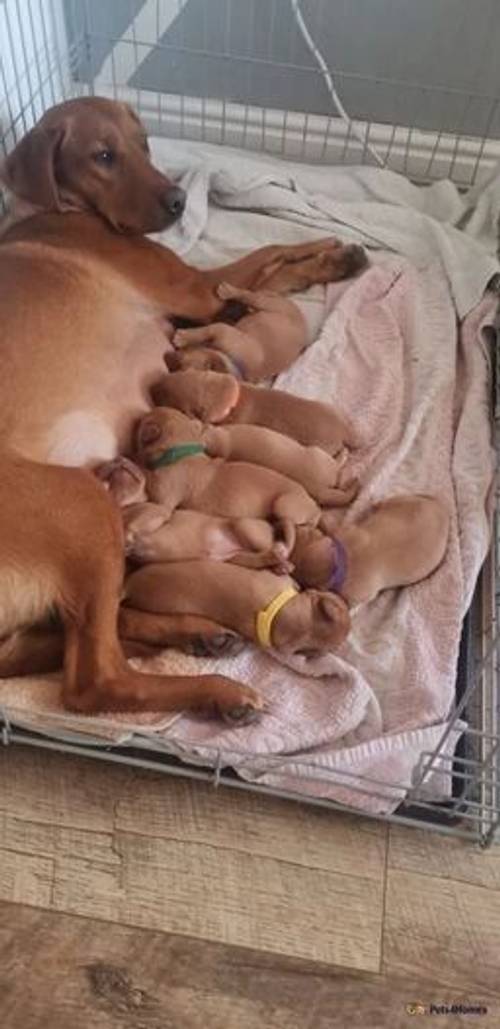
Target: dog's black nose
[(174, 201)]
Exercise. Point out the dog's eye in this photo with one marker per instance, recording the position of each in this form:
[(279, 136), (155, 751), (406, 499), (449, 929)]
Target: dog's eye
[(105, 157)]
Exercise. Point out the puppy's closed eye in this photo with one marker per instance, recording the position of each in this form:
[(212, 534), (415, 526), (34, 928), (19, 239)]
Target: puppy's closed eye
[(148, 432)]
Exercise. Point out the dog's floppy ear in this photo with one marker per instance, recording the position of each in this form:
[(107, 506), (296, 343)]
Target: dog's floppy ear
[(30, 168), (172, 360), (131, 113), (148, 431), (220, 394), (334, 609)]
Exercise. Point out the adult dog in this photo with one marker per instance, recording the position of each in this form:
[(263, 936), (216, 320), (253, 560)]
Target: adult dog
[(83, 303)]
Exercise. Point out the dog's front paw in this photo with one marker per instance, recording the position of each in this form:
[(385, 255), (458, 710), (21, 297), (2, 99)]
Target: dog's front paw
[(237, 704), (340, 262)]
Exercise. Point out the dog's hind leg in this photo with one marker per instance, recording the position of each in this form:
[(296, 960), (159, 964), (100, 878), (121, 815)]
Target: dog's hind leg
[(33, 651), (61, 548)]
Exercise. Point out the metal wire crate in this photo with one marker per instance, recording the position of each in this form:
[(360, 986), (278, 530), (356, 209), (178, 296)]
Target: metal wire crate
[(245, 73)]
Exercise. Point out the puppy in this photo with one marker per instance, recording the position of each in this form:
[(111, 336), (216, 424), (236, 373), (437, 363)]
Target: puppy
[(179, 473), (397, 542), (312, 467), (151, 535), (189, 535), (219, 398), (262, 607), (263, 343)]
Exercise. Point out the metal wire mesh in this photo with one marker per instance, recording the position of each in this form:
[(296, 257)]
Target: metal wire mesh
[(51, 50)]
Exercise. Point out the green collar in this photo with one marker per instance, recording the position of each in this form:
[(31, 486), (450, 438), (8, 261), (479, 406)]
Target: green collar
[(173, 454)]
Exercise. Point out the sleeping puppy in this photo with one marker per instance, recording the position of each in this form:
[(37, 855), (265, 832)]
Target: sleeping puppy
[(179, 473), (151, 535), (396, 543), (312, 467), (219, 398), (263, 343), (260, 606)]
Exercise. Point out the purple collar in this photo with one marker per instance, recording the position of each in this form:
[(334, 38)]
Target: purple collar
[(338, 575)]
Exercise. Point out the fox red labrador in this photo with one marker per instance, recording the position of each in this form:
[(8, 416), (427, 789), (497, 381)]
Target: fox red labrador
[(84, 300)]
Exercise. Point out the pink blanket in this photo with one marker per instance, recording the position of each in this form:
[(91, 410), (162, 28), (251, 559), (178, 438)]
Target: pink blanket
[(391, 357)]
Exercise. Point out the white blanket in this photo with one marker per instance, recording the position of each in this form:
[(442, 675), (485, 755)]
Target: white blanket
[(279, 201)]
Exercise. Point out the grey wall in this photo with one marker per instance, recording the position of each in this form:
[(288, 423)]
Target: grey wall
[(423, 44)]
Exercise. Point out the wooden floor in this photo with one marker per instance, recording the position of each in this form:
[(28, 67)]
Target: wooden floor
[(134, 900)]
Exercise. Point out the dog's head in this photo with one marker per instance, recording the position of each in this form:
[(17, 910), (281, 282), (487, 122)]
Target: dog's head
[(312, 623), (209, 396), (163, 428), (92, 154)]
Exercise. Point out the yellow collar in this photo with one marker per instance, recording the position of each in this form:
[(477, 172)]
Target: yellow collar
[(266, 617)]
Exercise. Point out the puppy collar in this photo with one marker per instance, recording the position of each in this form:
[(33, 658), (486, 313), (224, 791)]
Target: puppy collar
[(265, 618), (174, 454), (338, 575)]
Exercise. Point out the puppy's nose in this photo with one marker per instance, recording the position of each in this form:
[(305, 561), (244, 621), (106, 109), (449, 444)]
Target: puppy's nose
[(174, 201)]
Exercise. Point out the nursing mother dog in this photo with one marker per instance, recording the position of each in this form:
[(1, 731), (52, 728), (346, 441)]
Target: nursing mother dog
[(83, 303)]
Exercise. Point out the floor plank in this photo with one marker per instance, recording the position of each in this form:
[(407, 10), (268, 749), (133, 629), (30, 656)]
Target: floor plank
[(57, 970), (439, 928), (26, 878), (58, 789), (151, 851), (263, 826), (428, 853), (46, 840), (225, 895)]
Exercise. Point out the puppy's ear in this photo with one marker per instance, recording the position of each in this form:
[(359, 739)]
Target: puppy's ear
[(30, 168), (173, 360), (148, 431), (333, 609), (220, 394), (217, 361), (124, 479)]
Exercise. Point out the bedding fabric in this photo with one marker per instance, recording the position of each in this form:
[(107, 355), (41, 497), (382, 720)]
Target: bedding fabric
[(403, 349)]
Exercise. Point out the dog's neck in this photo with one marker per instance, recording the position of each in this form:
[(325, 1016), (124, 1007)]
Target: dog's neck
[(13, 209)]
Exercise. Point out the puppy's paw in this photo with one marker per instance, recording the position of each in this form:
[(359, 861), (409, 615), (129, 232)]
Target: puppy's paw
[(223, 644), (280, 558), (226, 291), (340, 495), (180, 338), (341, 458)]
